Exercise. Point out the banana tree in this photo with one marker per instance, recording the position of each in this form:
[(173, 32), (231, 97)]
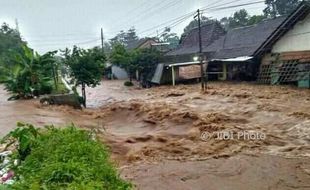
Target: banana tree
[(30, 74)]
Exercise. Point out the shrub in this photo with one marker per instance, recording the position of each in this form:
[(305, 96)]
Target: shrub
[(128, 83), (66, 159)]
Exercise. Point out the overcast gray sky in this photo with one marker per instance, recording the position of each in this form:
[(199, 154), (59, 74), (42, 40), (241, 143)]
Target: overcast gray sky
[(54, 24)]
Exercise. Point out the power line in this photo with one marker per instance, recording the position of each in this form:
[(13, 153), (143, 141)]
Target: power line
[(168, 22), (63, 35), (214, 3), (171, 26), (213, 8), (59, 40), (233, 6), (136, 8), (158, 10), (72, 43), (148, 9)]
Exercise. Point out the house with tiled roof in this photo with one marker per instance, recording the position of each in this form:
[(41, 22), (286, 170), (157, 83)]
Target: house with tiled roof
[(273, 51)]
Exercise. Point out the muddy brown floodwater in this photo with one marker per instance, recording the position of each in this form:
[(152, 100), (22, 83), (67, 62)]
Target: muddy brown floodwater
[(234, 136)]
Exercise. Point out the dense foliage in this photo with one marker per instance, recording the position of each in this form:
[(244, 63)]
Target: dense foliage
[(11, 41), (172, 39), (63, 159), (241, 18), (125, 38), (146, 61), (85, 67), (24, 72), (29, 74), (142, 60), (123, 58), (280, 7), (194, 24)]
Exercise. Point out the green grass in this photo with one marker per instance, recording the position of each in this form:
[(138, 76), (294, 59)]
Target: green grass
[(64, 159)]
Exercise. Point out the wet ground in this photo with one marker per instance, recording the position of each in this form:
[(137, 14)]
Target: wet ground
[(234, 136)]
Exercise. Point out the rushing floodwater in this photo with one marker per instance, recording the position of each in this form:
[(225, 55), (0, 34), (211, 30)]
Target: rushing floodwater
[(29, 111), (26, 111)]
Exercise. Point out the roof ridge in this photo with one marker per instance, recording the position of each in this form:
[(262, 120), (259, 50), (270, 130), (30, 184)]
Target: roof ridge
[(261, 22)]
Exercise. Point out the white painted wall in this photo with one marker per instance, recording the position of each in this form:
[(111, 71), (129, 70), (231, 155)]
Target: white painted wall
[(120, 73), (297, 39)]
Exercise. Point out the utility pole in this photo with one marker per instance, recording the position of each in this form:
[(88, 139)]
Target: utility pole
[(102, 41), (203, 86), (16, 25)]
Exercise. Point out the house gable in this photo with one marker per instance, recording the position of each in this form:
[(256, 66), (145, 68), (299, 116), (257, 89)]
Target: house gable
[(189, 44), (296, 39)]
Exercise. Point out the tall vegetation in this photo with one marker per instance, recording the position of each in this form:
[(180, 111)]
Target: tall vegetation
[(194, 24), (11, 41), (85, 67), (125, 38), (142, 60), (146, 61), (123, 58), (24, 72), (241, 18), (28, 74), (280, 7), (62, 159), (169, 37)]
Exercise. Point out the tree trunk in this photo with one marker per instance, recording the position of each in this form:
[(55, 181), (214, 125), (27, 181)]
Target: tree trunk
[(54, 77), (130, 77), (84, 95)]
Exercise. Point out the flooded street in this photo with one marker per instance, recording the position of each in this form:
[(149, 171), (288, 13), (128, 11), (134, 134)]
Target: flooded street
[(24, 111), (171, 136)]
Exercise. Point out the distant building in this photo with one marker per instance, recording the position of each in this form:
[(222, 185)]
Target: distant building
[(141, 43), (274, 51)]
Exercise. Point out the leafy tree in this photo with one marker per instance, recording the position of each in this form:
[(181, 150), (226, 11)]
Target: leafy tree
[(240, 18), (255, 19), (194, 24), (123, 58), (280, 7), (124, 38), (86, 67), (171, 38), (107, 48), (118, 39), (11, 42), (131, 36), (146, 61)]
